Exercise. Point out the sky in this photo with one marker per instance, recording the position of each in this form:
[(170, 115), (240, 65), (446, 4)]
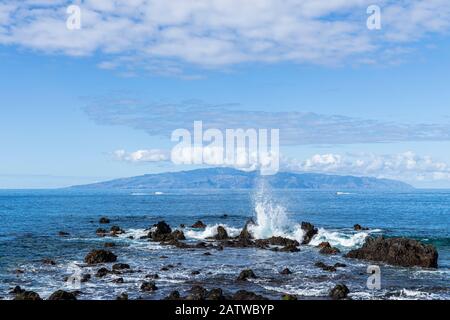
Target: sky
[(100, 102)]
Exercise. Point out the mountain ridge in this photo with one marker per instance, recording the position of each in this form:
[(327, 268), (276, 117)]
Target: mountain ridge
[(229, 178)]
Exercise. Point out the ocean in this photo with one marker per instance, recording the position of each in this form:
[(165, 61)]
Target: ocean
[(30, 221)]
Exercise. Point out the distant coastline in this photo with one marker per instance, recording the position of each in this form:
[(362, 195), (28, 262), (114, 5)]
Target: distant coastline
[(228, 178)]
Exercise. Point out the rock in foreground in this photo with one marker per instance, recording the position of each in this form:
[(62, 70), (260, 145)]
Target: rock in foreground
[(397, 251), (63, 295)]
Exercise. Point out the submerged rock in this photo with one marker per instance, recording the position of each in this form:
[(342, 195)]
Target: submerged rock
[(309, 230), (325, 267), (115, 230), (100, 256), (101, 232), (289, 297), (120, 266), (286, 271), (397, 251), (104, 220), (246, 274), (63, 234), (340, 291), (62, 295), (49, 261)]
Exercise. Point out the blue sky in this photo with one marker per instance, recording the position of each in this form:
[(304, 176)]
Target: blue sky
[(391, 97)]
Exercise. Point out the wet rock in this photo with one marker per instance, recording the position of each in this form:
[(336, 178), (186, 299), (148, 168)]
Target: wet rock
[(62, 295), (358, 227), (199, 225), (19, 271), (290, 248), (197, 293), (152, 276), (325, 267), (221, 233), (102, 272), (326, 248), (49, 262), (17, 290), (340, 291), (104, 220), (27, 295), (118, 280), (224, 216), (101, 232), (246, 274), (247, 295), (120, 266), (195, 272), (115, 230), (182, 226), (286, 271), (177, 235), (100, 256), (397, 251), (174, 295), (109, 244), (159, 231), (245, 234), (149, 286), (123, 296), (207, 254), (309, 230), (215, 294), (340, 265), (63, 234), (289, 297)]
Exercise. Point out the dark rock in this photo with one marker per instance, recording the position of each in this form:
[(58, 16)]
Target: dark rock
[(326, 248), (62, 295), (340, 291), (85, 277), (195, 272), (120, 266), (397, 251), (160, 231), (104, 220), (17, 290), (221, 233), (215, 294), (109, 244), (340, 265), (152, 276), (123, 296), (286, 271), (245, 234), (207, 254), (182, 226), (199, 225), (289, 297), (149, 286), (101, 232), (49, 261), (247, 295), (174, 295), (118, 280), (177, 235), (246, 274), (290, 248), (19, 271), (197, 293), (102, 272), (325, 267), (27, 295), (164, 257), (116, 230), (358, 227), (310, 232), (63, 234), (100, 256)]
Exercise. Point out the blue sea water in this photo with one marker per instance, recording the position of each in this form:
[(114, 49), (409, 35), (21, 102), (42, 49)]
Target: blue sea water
[(31, 219)]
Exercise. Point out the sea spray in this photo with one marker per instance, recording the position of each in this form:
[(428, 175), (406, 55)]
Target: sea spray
[(271, 217)]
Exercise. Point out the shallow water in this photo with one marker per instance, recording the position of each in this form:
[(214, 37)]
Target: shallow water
[(30, 221)]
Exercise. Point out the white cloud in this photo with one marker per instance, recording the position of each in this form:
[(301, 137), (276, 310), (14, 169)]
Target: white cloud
[(406, 166), (152, 155), (217, 33)]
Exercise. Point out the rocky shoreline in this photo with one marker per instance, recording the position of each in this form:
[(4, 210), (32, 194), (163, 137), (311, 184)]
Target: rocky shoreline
[(393, 251)]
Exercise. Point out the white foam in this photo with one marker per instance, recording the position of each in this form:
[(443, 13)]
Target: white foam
[(339, 238), (210, 231)]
